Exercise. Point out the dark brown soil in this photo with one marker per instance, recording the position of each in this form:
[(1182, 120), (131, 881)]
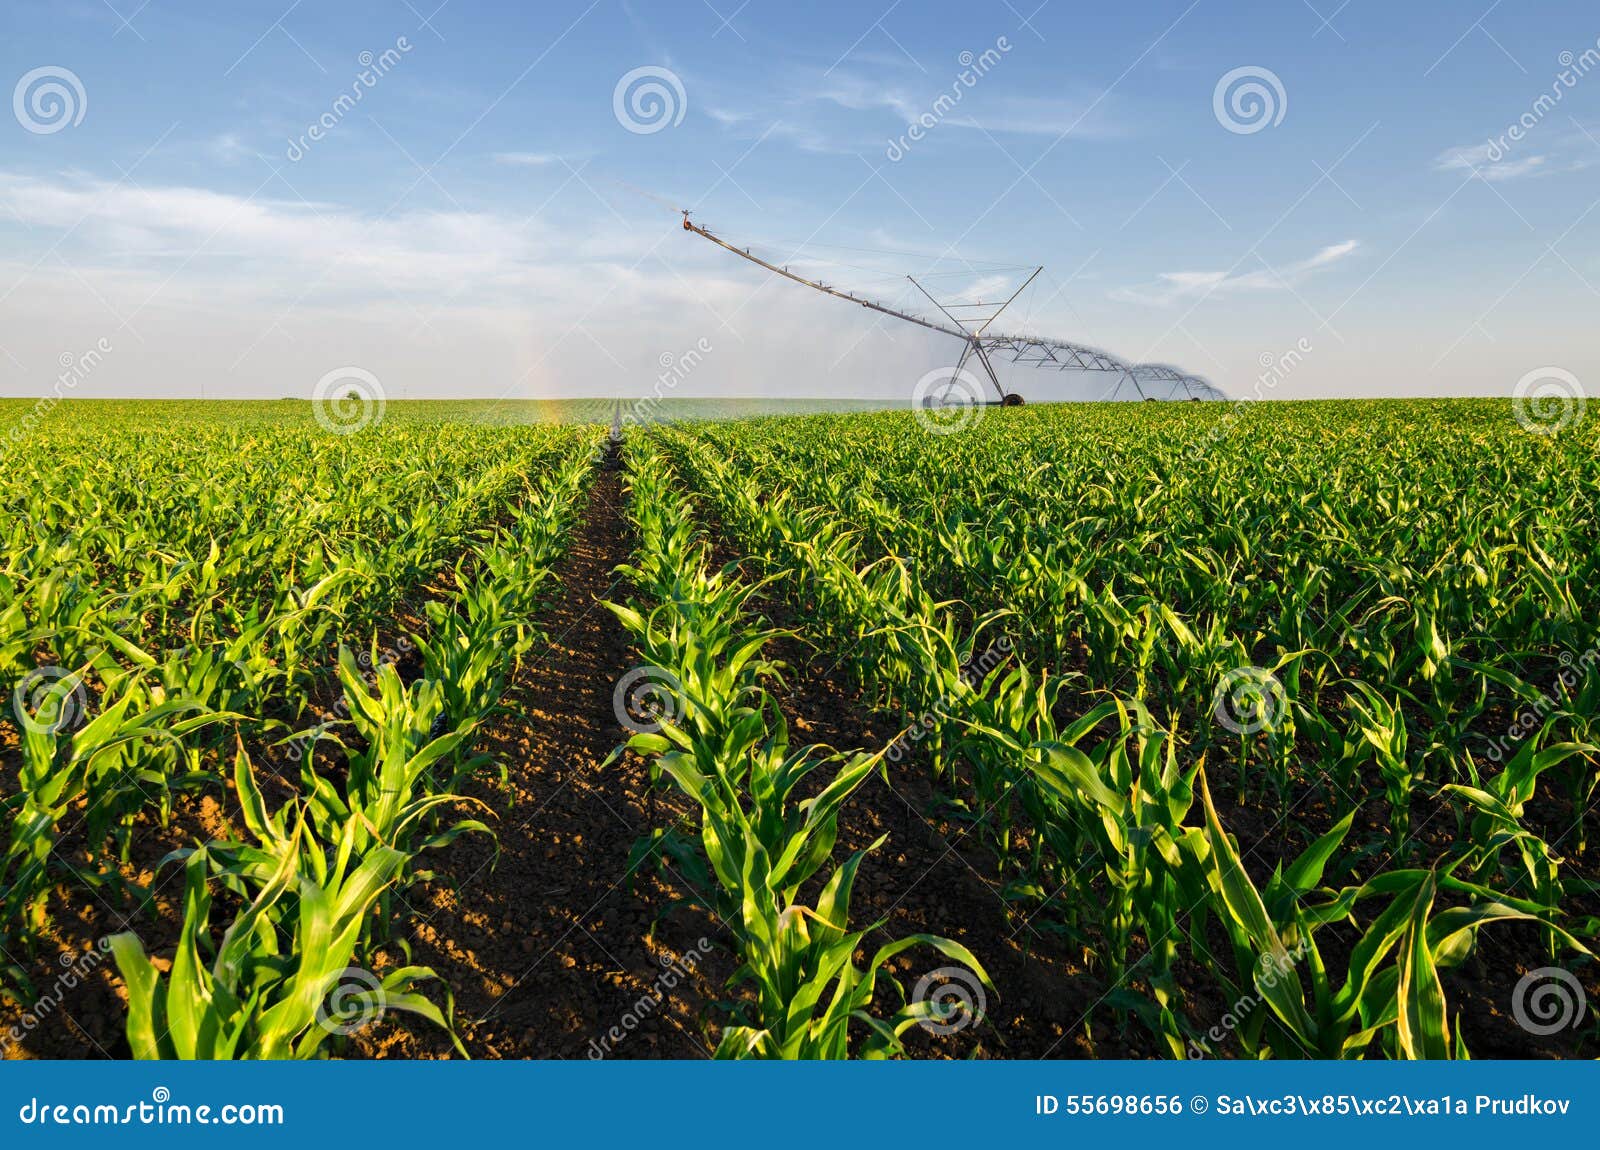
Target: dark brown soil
[(553, 948), (932, 876)]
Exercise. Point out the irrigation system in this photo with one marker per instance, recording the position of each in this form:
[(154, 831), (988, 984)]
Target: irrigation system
[(982, 346)]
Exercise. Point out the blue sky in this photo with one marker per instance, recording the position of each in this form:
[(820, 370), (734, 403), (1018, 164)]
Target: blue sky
[(485, 221)]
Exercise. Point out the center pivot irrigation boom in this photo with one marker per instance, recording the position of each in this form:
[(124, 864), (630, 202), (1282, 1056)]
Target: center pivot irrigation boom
[(984, 347)]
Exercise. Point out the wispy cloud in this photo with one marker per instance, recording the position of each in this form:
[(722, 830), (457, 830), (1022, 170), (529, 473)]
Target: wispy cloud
[(526, 159), (228, 149), (998, 112), (1503, 160), (845, 112), (1171, 287), (289, 247), (1481, 162), (793, 126)]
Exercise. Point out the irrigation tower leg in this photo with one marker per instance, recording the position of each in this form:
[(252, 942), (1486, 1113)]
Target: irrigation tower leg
[(989, 367), (966, 351)]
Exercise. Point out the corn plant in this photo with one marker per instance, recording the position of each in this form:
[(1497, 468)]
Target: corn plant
[(1390, 991), (727, 749), (271, 985)]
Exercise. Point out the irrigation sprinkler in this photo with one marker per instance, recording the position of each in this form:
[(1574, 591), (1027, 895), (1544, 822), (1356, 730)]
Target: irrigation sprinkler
[(982, 347)]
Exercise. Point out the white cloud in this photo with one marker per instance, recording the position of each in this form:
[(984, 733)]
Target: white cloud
[(290, 247), (993, 110), (1170, 287), (526, 159), (1500, 160), (727, 117), (202, 290), (844, 112), (1482, 163), (228, 149)]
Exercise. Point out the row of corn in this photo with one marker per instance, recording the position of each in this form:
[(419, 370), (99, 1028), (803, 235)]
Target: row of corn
[(766, 827), (157, 594), (284, 925), (1096, 817)]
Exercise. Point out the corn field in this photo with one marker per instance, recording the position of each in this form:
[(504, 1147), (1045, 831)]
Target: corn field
[(1157, 730)]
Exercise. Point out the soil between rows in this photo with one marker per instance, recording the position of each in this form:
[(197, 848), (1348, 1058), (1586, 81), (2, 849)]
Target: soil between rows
[(554, 949)]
